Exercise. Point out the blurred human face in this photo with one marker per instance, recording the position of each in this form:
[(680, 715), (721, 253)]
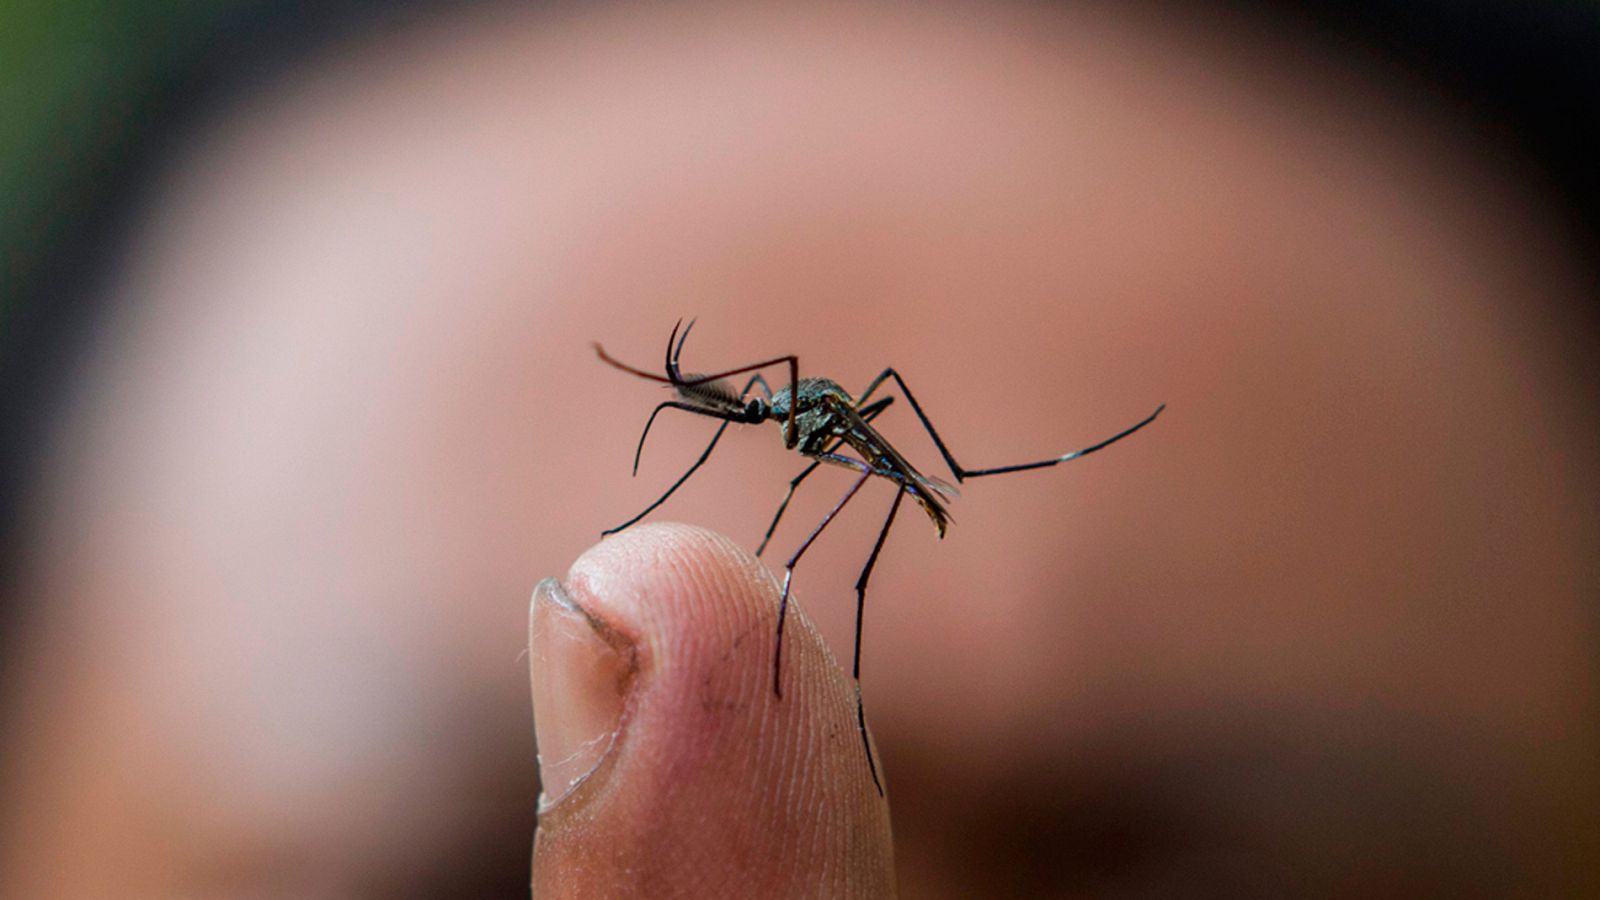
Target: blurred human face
[(1325, 622)]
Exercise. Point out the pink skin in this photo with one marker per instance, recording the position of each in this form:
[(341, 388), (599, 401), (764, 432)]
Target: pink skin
[(1326, 619), (775, 793)]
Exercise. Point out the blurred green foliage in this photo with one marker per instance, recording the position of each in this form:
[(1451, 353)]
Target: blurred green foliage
[(77, 77)]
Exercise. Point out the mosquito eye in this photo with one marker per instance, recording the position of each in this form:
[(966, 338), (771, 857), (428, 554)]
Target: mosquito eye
[(756, 410)]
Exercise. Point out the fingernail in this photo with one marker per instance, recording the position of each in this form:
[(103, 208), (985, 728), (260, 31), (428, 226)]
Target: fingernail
[(580, 671)]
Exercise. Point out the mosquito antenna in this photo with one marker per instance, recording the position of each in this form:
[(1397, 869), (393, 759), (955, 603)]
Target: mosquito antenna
[(615, 363), (677, 380), (672, 358), (672, 362), (638, 451)]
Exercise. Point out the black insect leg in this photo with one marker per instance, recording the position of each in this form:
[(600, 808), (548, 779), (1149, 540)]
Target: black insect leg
[(861, 605), (963, 474), (869, 413), (757, 379), (675, 404), (788, 567), (784, 506)]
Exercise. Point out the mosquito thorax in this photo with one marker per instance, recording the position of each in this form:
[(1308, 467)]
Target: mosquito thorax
[(812, 390), (815, 421)]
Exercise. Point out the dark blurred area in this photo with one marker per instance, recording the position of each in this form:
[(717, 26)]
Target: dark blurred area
[(99, 95), (1358, 695)]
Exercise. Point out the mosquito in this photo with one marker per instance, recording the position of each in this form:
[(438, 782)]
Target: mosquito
[(819, 418)]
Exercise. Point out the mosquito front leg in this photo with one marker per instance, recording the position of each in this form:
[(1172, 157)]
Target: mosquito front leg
[(963, 474), (638, 451), (692, 469)]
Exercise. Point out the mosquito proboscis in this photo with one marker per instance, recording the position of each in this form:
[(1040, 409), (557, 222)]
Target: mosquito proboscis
[(819, 418)]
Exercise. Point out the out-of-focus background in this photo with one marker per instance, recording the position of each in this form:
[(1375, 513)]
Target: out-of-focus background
[(299, 404)]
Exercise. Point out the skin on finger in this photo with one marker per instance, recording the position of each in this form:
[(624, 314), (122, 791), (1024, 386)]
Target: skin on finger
[(713, 786)]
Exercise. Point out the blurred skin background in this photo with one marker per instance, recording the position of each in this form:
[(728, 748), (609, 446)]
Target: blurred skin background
[(302, 404)]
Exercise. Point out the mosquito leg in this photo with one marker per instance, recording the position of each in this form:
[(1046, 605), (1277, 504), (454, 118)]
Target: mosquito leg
[(673, 404), (861, 605), (692, 469), (1045, 463), (782, 507), (788, 569), (869, 413), (638, 450), (675, 485), (963, 474)]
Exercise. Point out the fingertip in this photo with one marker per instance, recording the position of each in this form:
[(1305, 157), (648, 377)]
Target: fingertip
[(710, 775)]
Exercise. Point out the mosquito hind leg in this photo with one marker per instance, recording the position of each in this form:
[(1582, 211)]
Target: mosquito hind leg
[(861, 605), (963, 474)]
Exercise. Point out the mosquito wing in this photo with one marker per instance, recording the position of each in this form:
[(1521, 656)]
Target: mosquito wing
[(876, 449), (939, 486)]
